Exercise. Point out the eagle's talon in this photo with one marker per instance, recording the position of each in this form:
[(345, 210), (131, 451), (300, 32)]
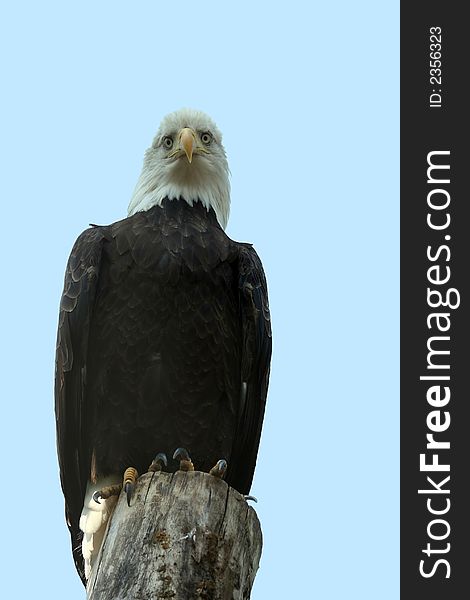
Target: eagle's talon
[(184, 458), (219, 469), (158, 463), (246, 498), (129, 489), (130, 479)]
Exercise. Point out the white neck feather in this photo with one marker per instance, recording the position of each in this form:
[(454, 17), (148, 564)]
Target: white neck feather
[(205, 180)]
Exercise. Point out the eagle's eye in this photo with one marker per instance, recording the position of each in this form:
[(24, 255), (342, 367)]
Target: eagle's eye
[(206, 138), (168, 142)]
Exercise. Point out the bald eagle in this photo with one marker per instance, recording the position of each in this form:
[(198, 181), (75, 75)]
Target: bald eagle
[(164, 337)]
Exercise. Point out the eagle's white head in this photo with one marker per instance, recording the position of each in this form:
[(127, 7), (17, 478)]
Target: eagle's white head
[(186, 160)]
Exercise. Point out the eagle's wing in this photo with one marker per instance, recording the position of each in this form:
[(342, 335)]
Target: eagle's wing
[(72, 413), (256, 358)]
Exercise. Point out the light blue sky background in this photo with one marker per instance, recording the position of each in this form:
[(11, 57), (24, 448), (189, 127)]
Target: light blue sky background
[(306, 94)]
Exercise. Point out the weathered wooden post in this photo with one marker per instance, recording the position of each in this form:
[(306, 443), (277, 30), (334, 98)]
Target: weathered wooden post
[(186, 536)]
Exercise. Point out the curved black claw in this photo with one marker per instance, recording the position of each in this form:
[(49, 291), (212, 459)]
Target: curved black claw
[(96, 496), (184, 458), (181, 453), (219, 469), (158, 463), (129, 489), (249, 498)]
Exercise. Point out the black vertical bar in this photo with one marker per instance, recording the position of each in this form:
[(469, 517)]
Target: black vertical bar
[(435, 259)]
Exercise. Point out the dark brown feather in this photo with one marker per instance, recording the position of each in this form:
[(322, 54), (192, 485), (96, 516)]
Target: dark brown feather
[(164, 341)]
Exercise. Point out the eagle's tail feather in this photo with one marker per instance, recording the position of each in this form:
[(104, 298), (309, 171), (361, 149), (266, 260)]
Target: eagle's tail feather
[(94, 518)]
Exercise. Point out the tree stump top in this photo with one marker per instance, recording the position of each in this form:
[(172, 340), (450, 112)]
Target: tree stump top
[(185, 536)]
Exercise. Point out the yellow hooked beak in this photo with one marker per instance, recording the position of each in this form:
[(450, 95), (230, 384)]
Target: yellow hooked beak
[(188, 142)]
